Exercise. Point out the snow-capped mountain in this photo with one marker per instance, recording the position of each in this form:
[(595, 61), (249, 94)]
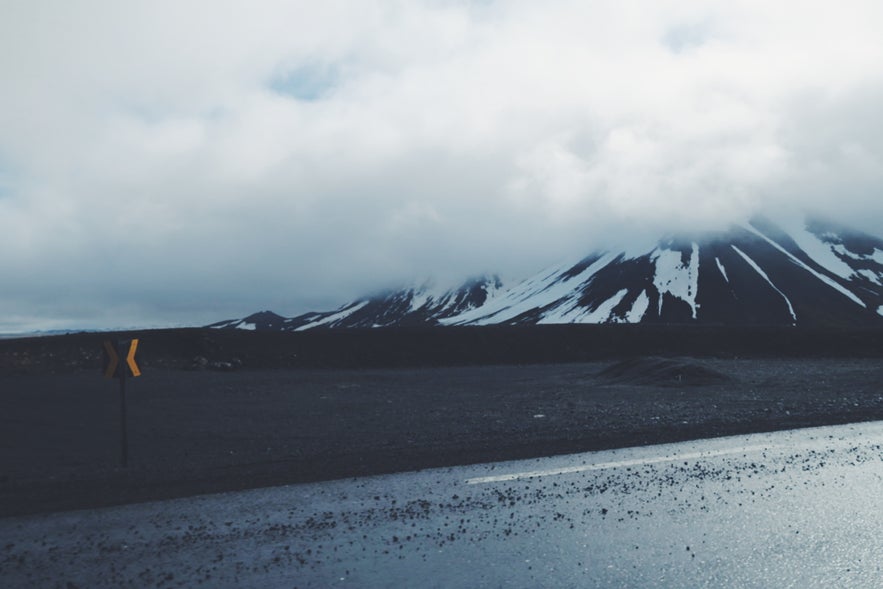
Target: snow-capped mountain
[(811, 273), (422, 304)]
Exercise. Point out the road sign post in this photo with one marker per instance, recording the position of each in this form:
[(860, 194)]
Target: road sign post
[(124, 434), (119, 363)]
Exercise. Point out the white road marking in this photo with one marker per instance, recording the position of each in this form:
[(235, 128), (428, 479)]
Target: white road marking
[(619, 464)]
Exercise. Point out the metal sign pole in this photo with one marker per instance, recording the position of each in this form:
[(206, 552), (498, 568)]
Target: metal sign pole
[(124, 438), (119, 359)]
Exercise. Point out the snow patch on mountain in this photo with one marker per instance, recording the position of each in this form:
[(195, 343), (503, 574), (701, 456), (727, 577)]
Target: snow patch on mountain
[(827, 280), (639, 308), (763, 274), (820, 251), (546, 290), (875, 256), (722, 269), (676, 278), (428, 293), (577, 314), (870, 276), (604, 310), (342, 314)]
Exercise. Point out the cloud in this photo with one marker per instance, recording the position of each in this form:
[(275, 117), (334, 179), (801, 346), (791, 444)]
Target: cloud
[(166, 162)]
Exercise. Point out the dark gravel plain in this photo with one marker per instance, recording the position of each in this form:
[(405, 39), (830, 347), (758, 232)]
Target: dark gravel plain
[(226, 411)]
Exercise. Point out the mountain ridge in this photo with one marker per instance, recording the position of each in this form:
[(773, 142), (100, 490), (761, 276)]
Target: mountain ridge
[(758, 273)]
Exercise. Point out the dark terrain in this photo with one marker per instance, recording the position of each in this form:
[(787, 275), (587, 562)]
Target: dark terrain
[(218, 411)]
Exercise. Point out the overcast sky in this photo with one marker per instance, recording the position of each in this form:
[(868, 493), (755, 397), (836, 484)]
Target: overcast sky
[(183, 162)]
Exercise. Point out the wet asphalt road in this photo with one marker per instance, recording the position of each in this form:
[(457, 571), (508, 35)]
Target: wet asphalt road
[(787, 509)]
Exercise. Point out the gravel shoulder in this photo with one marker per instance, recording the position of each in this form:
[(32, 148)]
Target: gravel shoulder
[(193, 432)]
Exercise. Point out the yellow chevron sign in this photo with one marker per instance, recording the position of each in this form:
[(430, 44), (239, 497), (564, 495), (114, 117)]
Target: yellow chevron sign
[(130, 358), (113, 352), (111, 359)]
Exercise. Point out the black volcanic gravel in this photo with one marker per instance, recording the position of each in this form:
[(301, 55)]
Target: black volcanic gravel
[(202, 431)]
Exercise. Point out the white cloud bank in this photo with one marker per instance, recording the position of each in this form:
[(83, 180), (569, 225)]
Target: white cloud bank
[(166, 162)]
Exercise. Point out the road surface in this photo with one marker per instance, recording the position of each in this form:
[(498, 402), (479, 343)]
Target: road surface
[(802, 508)]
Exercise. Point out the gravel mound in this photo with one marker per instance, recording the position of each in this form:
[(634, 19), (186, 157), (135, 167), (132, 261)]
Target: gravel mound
[(662, 372)]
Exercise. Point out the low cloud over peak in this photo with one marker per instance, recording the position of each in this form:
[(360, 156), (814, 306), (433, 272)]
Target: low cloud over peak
[(169, 163)]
